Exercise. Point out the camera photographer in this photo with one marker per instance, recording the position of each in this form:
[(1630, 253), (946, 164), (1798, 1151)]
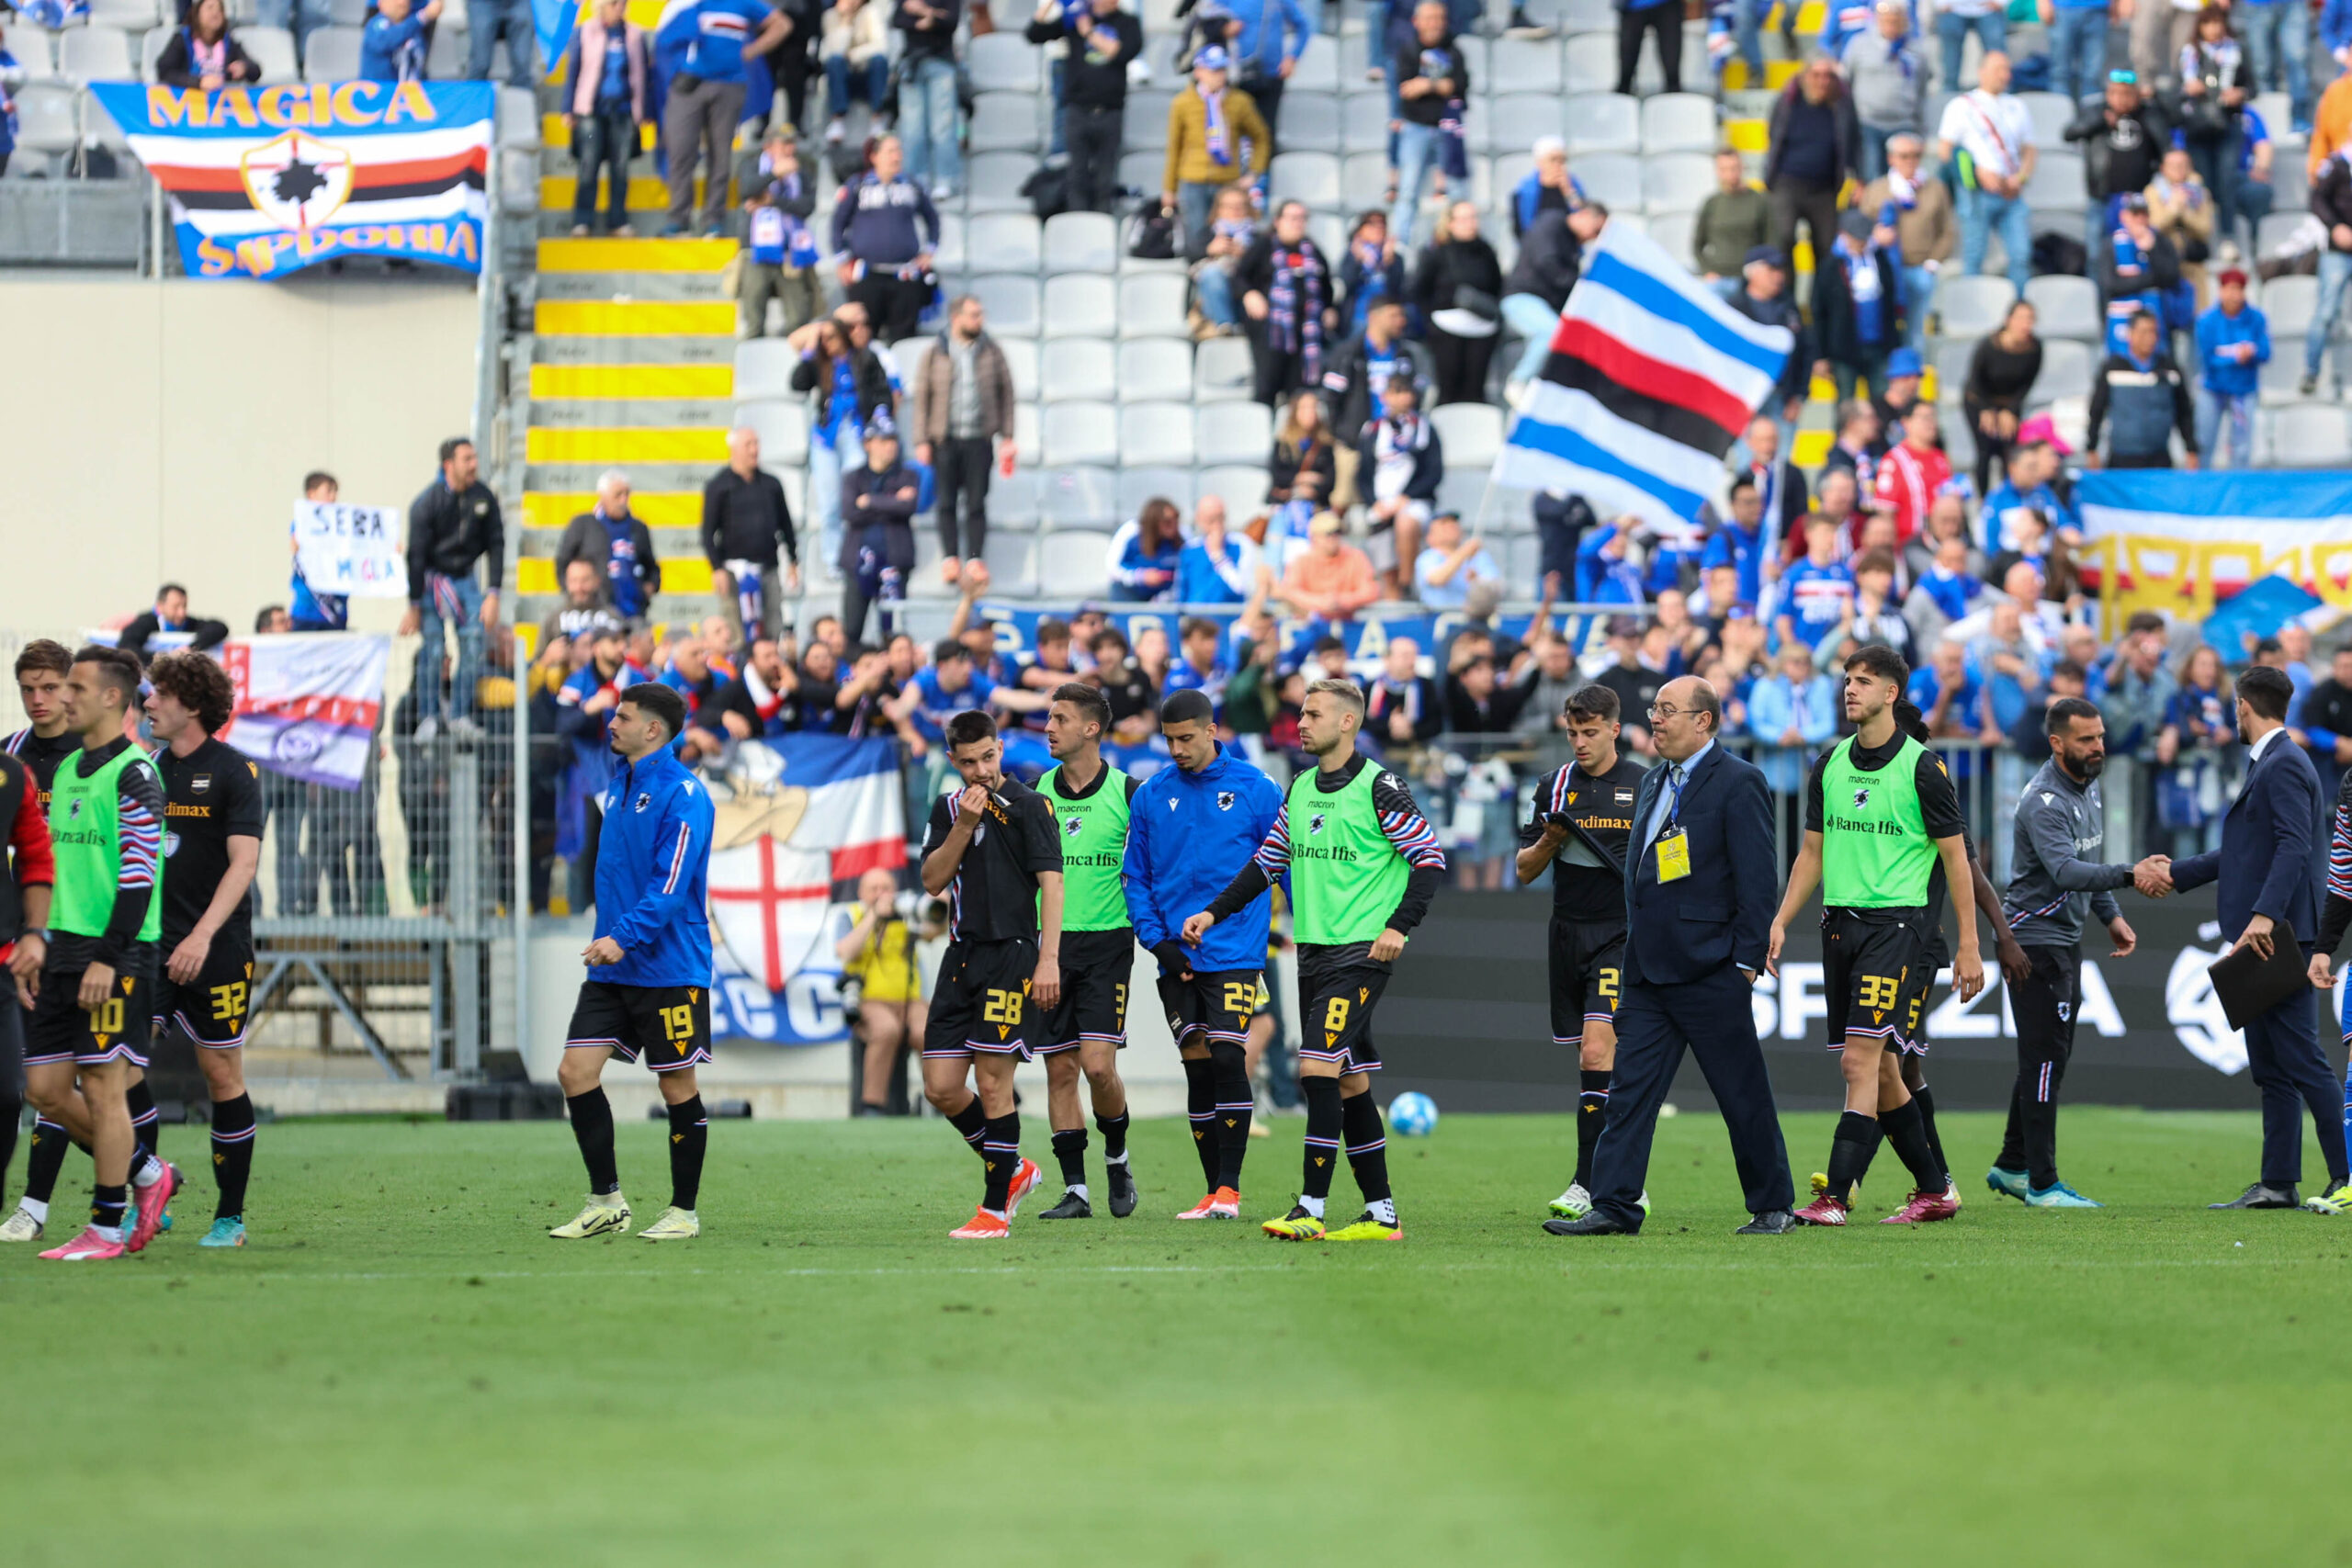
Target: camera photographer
[(881, 987)]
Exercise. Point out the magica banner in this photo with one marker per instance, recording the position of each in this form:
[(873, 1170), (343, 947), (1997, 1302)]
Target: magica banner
[(2187, 542), (265, 181)]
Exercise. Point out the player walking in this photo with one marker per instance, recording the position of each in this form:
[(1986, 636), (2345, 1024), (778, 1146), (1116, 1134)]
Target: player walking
[(1913, 1005), (212, 824), (1194, 825), (2060, 820), (92, 1001), (1879, 809), (1582, 817), (1087, 1029), (1363, 864), (990, 848), (42, 668), (648, 995)]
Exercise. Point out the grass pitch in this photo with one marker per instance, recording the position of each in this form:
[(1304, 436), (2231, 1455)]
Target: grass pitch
[(403, 1370)]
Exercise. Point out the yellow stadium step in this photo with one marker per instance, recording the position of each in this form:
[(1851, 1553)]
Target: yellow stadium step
[(632, 381), (1812, 450), (625, 445), (683, 574), (1776, 74), (635, 255), (645, 318), (646, 193), (555, 130), (1746, 135), (656, 509)]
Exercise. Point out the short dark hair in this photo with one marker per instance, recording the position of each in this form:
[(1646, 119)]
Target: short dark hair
[(198, 683), (2145, 621), (1326, 643), (118, 671), (2071, 671), (170, 588), (1874, 561), (1052, 629), (1108, 633), (1595, 701), (265, 614), (1877, 659), (969, 729), (1191, 626), (1187, 706), (317, 477), (2066, 710), (1704, 700), (1745, 481), (43, 654), (2267, 645), (663, 703), (449, 447), (947, 648), (2266, 691), (1090, 703)]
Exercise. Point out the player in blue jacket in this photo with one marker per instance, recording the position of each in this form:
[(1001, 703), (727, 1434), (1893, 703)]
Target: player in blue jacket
[(649, 997), (1190, 829)]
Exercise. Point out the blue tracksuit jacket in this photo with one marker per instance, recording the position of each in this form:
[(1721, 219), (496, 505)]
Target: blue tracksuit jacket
[(1188, 835), (652, 874)]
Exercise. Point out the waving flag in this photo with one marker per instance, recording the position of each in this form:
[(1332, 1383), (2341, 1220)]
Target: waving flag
[(265, 181), (1650, 379), (308, 702)]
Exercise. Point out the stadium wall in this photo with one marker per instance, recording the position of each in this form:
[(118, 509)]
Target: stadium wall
[(1466, 1019), (160, 431)]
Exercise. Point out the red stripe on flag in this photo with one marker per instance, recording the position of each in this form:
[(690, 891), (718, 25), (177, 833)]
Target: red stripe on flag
[(854, 861), (182, 177), (1653, 378)]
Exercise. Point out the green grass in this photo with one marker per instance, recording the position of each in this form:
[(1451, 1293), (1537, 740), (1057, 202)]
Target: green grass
[(403, 1370)]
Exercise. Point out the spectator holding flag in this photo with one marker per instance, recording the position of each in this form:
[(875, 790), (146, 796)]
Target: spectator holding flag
[(203, 53), (392, 44)]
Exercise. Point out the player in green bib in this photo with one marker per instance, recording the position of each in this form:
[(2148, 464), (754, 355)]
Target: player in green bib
[(91, 1006), (1880, 813), (1363, 864), (1087, 1029)]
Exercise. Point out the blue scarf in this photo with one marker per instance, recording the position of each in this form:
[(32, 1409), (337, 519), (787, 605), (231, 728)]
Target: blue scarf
[(1295, 301), (1220, 139)]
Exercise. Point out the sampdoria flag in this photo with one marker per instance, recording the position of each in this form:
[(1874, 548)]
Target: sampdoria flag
[(2187, 542), (1650, 379), (264, 181), (308, 702), (802, 818)]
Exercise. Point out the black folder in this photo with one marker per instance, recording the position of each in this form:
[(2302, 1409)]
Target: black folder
[(2249, 985)]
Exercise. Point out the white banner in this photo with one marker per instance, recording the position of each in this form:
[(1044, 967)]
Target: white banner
[(353, 550), (309, 703)]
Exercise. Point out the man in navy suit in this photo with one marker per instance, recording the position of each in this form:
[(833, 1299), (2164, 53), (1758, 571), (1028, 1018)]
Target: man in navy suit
[(2269, 878), (1700, 884)]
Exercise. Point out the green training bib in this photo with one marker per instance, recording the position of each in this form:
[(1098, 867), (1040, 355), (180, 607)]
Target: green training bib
[(1345, 877), (1875, 852), (1094, 846), (85, 831)]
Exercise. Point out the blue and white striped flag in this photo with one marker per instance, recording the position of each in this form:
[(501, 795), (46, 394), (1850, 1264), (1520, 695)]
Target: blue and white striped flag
[(1650, 380)]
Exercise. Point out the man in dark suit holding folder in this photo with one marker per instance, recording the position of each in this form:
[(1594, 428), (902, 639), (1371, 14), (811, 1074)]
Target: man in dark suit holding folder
[(2269, 879), (1700, 884)]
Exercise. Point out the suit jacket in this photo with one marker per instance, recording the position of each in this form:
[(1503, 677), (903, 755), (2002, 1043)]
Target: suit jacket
[(2266, 864), (1721, 914)]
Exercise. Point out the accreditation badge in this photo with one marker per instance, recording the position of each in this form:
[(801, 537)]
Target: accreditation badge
[(1673, 856)]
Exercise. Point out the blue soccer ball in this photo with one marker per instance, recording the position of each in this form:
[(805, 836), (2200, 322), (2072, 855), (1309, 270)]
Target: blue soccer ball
[(1413, 1114)]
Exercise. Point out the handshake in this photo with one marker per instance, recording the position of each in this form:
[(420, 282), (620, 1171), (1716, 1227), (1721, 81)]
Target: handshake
[(2153, 876)]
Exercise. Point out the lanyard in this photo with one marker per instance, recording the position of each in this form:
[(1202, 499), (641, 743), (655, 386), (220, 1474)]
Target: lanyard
[(1674, 809)]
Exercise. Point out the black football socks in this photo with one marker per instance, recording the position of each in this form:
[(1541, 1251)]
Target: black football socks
[(1849, 1153), (592, 1127), (145, 1118), (1323, 1126), (1592, 1107), (1002, 1152), (232, 1151), (1114, 1137), (689, 1140), (1368, 1154), (971, 1124), (1200, 1102), (1906, 1131), (1235, 1106), (1069, 1152)]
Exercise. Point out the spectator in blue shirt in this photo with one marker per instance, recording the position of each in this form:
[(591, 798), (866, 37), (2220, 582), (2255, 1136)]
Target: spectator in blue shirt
[(1739, 542), (1790, 714), (2254, 194), (314, 611), (1951, 694), (2232, 344), (2276, 36), (1450, 563), (1218, 567), (1197, 666), (391, 46), (2025, 486), (1604, 575), (1145, 552), (1814, 594), (1265, 40), (705, 103)]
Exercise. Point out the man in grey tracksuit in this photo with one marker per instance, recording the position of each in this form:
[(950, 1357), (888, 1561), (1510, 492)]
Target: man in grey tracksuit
[(2060, 823)]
